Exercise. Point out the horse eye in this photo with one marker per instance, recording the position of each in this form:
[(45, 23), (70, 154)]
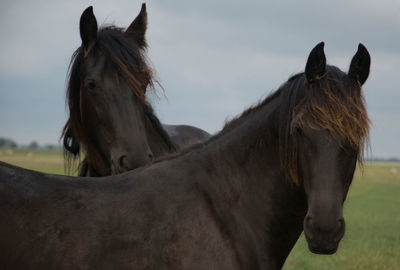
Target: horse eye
[(91, 84), (299, 130)]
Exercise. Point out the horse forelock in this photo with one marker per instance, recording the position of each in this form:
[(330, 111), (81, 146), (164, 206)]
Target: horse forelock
[(333, 103), (128, 59)]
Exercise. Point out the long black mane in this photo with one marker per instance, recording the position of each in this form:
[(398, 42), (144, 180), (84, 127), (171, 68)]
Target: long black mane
[(330, 104), (128, 61), (336, 109)]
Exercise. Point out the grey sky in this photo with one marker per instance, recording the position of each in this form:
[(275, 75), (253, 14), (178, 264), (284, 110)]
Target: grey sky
[(214, 58)]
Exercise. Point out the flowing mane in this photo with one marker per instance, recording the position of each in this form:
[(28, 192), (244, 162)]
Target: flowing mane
[(126, 61), (325, 104)]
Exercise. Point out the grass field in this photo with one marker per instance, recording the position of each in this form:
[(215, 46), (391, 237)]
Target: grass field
[(372, 213), (50, 161)]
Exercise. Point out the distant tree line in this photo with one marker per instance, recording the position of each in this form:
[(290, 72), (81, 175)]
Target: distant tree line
[(391, 159), (9, 143), (4, 142)]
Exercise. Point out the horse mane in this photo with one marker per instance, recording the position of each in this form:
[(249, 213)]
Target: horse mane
[(333, 103), (130, 62)]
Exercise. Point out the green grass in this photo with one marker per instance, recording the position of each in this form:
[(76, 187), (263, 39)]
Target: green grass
[(50, 161), (372, 213)]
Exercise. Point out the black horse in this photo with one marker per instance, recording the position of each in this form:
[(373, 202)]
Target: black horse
[(110, 118), (238, 201)]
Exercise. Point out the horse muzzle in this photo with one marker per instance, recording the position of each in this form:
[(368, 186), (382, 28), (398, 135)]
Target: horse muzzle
[(323, 238), (123, 163)]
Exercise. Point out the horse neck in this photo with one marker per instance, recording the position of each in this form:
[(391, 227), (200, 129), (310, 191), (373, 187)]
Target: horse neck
[(158, 138), (86, 169), (247, 192), (94, 164)]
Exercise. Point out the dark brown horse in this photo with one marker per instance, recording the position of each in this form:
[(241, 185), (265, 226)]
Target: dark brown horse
[(238, 201), (110, 118)]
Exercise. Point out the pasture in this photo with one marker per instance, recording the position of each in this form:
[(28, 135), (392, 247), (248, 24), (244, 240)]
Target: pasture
[(44, 160), (372, 213)]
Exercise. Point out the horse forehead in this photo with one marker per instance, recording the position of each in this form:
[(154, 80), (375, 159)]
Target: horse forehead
[(320, 142), (95, 64), (316, 135)]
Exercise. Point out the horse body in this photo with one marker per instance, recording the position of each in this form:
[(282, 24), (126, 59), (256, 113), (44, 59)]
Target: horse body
[(214, 214), (119, 223), (230, 203), (184, 136)]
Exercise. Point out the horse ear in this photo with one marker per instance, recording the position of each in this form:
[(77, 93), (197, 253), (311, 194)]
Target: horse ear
[(138, 27), (88, 29), (316, 63), (360, 64)]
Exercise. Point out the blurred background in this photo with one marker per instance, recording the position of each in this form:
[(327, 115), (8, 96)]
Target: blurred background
[(214, 59)]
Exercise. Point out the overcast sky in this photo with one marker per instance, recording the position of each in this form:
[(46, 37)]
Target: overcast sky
[(214, 58)]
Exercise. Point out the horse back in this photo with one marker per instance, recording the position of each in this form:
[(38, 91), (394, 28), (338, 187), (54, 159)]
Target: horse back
[(151, 218), (185, 135)]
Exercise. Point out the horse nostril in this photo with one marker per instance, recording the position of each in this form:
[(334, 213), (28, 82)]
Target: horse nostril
[(151, 157), (121, 161), (341, 229), (114, 168), (308, 221), (307, 226)]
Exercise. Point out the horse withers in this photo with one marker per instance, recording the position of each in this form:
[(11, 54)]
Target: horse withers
[(238, 201), (110, 118)]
